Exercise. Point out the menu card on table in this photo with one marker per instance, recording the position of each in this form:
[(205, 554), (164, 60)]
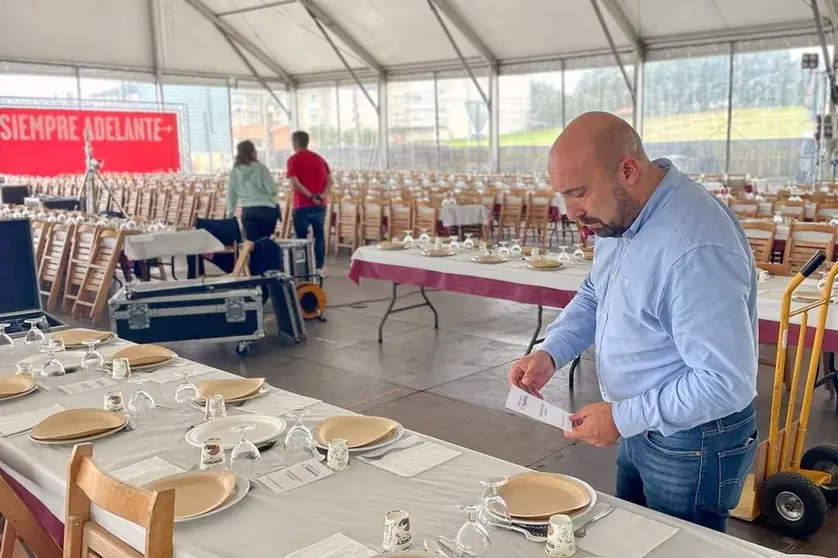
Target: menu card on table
[(528, 405), (296, 476), (88, 385)]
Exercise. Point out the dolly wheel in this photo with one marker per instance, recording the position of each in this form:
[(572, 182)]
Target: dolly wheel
[(243, 348), (824, 458), (793, 505)]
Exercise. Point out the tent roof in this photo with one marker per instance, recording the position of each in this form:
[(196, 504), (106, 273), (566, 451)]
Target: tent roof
[(393, 35)]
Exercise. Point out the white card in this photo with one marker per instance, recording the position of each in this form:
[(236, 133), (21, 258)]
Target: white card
[(146, 471), (278, 402), (522, 402), (336, 546), (296, 476), (21, 422), (88, 385)]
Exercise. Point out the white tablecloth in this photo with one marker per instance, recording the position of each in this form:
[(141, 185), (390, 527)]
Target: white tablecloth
[(168, 244), (461, 215), (352, 502)]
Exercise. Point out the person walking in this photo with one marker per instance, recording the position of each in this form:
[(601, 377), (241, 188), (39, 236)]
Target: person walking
[(311, 179), (252, 185)]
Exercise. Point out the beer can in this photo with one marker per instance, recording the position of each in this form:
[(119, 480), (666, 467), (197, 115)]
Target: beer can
[(113, 402), (337, 458), (212, 454), (397, 536)]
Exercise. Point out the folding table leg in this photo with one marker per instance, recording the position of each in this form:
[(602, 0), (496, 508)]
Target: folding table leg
[(535, 340), (391, 310)]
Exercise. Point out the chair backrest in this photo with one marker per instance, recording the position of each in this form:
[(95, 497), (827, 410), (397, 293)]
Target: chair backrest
[(22, 524), (40, 233), (161, 204), (401, 218), (826, 211), (86, 485), (761, 238), (186, 212), (425, 217), (538, 208), (203, 206), (173, 211), (744, 208), (132, 201), (511, 210), (145, 205), (787, 208), (805, 239)]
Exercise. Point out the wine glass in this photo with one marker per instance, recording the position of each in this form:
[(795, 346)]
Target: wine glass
[(564, 257), (141, 404), (7, 344), (424, 237), (454, 244), (515, 249), (92, 359), (484, 248), (24, 368), (408, 238), (299, 440), (34, 336), (468, 242), (503, 250), (778, 219), (472, 538), (245, 455), (187, 393), (52, 366), (578, 254)]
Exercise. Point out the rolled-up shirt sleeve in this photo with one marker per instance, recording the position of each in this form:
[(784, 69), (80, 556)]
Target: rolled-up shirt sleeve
[(704, 307), (575, 328)]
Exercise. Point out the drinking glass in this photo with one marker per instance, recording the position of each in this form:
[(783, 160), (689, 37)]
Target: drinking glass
[(468, 242), (454, 244), (24, 368), (503, 250), (52, 366), (141, 404), (424, 237), (245, 455), (7, 344), (484, 248), (186, 394), (494, 512), (408, 238), (515, 249), (34, 336), (299, 441), (92, 359), (472, 538), (578, 254), (564, 257), (778, 219), (121, 369)]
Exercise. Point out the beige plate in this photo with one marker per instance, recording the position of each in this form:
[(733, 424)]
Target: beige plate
[(98, 436), (25, 393), (15, 385), (539, 495), (77, 423), (489, 259), (387, 245), (196, 493), (230, 389), (544, 264), (358, 431), (438, 253), (75, 337), (144, 355)]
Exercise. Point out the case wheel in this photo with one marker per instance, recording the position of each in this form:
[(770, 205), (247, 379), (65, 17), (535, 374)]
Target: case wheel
[(793, 505), (824, 457), (243, 348)]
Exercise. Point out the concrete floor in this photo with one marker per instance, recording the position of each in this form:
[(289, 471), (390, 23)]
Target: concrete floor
[(451, 383)]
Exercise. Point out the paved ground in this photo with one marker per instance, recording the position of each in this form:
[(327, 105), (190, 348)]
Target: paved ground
[(451, 382)]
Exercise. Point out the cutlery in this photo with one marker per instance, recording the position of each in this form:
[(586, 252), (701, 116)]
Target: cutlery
[(433, 546), (452, 546), (583, 530), (392, 450), (532, 537)]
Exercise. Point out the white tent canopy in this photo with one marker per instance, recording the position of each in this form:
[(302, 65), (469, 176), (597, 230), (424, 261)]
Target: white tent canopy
[(285, 44)]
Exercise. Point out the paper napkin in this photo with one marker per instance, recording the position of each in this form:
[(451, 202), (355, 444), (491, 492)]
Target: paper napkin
[(21, 422), (277, 402), (145, 471), (411, 461), (336, 546), (625, 534)]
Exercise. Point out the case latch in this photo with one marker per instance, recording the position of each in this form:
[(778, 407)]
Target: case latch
[(234, 310), (138, 316)]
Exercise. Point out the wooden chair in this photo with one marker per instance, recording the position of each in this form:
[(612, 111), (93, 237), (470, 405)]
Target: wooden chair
[(400, 220), (54, 263), (83, 242), (219, 208), (511, 215), (203, 205), (161, 205), (186, 212), (745, 209), (327, 227), (93, 292), (804, 239), (21, 525), (132, 202), (537, 218), (793, 209), (372, 219), (173, 209), (145, 204), (826, 211), (425, 218), (86, 485), (761, 238), (104, 202), (346, 225), (40, 233)]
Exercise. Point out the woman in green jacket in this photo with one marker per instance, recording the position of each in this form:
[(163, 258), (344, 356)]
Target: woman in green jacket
[(252, 185)]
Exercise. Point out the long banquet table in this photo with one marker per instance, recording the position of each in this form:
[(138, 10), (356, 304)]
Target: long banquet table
[(352, 502), (512, 280)]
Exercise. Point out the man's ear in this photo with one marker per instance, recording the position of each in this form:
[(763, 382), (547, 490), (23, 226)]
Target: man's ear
[(629, 171)]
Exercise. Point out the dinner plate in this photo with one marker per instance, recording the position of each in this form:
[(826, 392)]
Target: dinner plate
[(575, 514), (240, 491), (541, 495), (144, 355), (11, 386), (231, 389), (389, 245), (408, 554), (24, 394), (72, 424), (551, 266), (196, 493), (438, 253), (489, 259), (267, 429), (147, 368), (358, 430), (81, 440), (391, 438), (75, 338)]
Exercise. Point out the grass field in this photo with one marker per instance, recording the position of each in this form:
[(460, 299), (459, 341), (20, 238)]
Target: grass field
[(752, 123)]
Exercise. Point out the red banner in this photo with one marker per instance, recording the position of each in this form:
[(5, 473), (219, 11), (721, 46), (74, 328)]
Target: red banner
[(48, 142)]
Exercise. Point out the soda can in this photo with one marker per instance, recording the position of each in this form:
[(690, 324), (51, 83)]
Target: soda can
[(337, 459), (397, 536), (113, 402), (212, 454), (216, 408), (121, 369)]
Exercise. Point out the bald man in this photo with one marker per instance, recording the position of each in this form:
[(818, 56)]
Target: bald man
[(670, 304)]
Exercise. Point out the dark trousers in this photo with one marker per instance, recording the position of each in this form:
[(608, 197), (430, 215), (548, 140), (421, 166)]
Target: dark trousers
[(696, 474), (316, 217), (259, 222)]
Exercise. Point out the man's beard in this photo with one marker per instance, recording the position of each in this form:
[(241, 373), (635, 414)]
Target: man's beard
[(627, 211)]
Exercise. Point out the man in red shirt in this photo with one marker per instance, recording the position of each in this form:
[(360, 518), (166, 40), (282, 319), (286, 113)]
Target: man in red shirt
[(311, 178)]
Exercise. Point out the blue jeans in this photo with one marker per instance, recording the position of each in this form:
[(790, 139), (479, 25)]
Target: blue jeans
[(316, 217), (696, 474)]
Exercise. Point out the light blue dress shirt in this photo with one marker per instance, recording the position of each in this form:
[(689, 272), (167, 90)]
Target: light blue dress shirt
[(671, 307)]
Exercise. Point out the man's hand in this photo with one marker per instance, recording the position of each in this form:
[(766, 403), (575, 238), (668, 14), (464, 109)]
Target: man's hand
[(594, 424), (532, 372)]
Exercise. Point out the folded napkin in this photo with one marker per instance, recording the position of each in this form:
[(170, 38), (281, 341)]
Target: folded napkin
[(21, 422), (626, 535), (336, 546), (145, 471), (277, 402), (411, 461), (167, 373)]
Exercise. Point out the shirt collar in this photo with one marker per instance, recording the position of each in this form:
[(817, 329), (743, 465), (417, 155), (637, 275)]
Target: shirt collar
[(659, 197)]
